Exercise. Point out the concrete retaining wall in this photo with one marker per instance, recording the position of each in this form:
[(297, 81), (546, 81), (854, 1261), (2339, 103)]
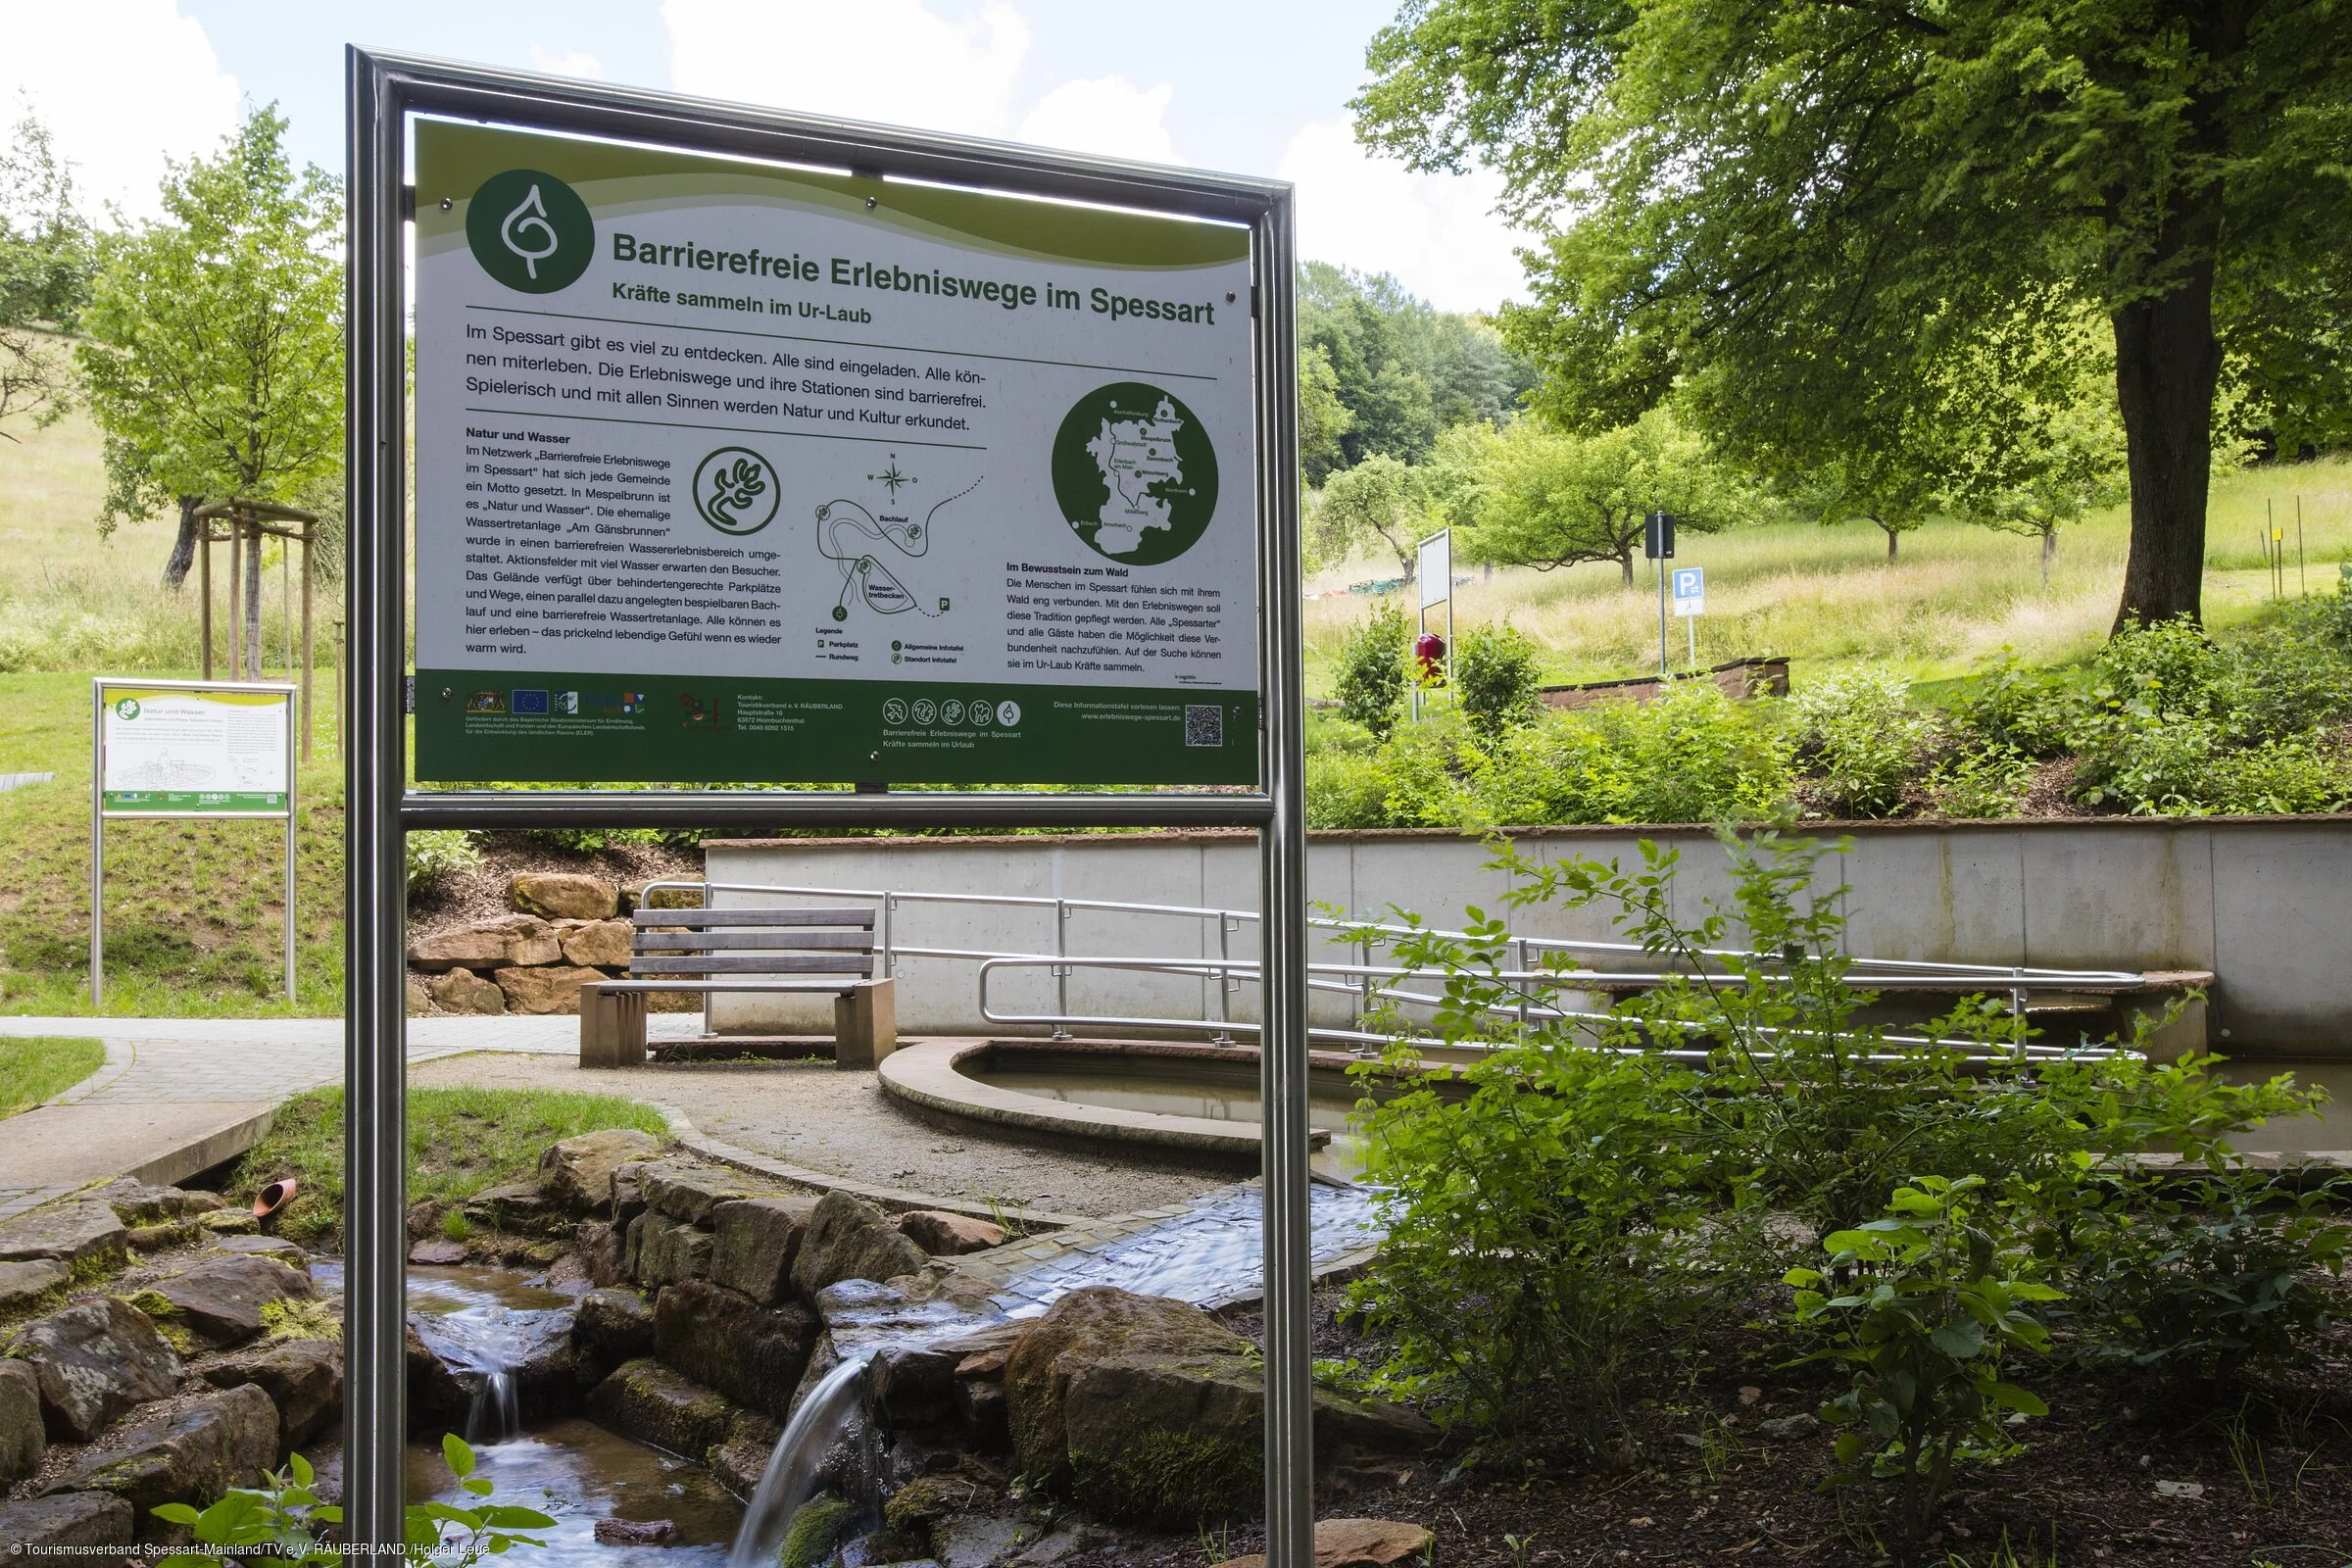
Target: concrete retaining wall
[(2264, 903)]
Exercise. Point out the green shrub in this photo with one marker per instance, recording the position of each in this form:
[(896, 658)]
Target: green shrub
[(1532, 1230), (1982, 781), (2029, 712), (1372, 676), (1498, 676), (433, 853), (1930, 1301), (1346, 789), (1860, 740), (1692, 754)]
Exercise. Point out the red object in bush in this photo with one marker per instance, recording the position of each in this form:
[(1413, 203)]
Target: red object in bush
[(1429, 651)]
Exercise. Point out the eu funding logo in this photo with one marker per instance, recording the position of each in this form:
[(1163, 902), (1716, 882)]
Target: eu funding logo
[(531, 231)]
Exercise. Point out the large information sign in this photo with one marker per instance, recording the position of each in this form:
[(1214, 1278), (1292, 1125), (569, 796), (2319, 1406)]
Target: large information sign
[(736, 472)]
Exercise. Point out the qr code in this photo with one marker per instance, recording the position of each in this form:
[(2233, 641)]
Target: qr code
[(1204, 724)]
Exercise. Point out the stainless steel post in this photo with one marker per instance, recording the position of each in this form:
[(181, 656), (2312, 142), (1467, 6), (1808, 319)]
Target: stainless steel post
[(374, 1127), (1283, 927), (292, 742), (890, 961), (1224, 1034)]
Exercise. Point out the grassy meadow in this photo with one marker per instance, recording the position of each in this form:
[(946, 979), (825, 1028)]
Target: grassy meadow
[(1954, 598)]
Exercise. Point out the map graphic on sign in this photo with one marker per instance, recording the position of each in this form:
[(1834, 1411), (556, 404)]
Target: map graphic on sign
[(1135, 473), (853, 537)]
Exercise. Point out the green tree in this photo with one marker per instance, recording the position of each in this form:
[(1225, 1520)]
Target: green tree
[(1323, 420), (1548, 498), (214, 348), (44, 276), (1402, 369), (2051, 456), (1813, 210), (1380, 498)]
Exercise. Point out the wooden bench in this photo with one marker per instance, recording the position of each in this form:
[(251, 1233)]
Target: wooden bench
[(732, 950)]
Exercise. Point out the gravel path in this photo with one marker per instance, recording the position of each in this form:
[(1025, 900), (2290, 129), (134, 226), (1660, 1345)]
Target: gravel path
[(816, 1115)]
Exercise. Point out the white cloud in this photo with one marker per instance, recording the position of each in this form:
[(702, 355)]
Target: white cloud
[(890, 61), (566, 62), (1110, 116), (1437, 234), (121, 84)]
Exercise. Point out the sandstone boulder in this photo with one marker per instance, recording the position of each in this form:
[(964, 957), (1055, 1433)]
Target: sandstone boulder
[(68, 1519), (610, 1327), (439, 1253), (508, 939), (563, 895), (661, 1250), (433, 1384), (1358, 1544), (83, 1231), (602, 942), (302, 1378), (221, 1441), (688, 1193), (464, 991), (648, 1401), (413, 997), (94, 1360), (135, 1202), (722, 1339), (598, 1245), (1083, 1327), (221, 1303), (740, 1460), (577, 1173), (23, 1283), (277, 1246), (544, 990), (849, 1239), (757, 1241), (946, 1235), (23, 1440)]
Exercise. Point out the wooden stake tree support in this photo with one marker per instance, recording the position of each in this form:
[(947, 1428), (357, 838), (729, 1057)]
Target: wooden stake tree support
[(242, 525)]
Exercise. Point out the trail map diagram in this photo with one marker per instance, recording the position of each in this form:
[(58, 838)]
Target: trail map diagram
[(851, 537), (1136, 456), (164, 772)]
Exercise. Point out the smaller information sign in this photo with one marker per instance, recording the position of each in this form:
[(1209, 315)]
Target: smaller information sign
[(178, 750), (1433, 565)]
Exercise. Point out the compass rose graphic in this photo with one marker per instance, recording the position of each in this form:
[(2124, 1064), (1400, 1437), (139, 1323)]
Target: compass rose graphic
[(890, 478)]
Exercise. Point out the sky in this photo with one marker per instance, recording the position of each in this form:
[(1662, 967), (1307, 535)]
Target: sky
[(1247, 86)]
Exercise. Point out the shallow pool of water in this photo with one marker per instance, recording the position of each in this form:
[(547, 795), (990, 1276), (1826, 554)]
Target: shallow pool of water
[(1165, 1086), (579, 1473)]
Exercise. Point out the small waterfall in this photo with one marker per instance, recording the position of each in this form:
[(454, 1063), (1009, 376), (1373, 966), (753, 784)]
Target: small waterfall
[(496, 1414), (791, 1476)]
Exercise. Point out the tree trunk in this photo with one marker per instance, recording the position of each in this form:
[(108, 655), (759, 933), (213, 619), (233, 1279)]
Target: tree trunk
[(183, 548), (2049, 551), (253, 606), (2166, 359), (1894, 537), (1625, 564)]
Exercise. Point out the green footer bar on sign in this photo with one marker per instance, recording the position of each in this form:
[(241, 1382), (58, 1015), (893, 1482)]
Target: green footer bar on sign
[(556, 727)]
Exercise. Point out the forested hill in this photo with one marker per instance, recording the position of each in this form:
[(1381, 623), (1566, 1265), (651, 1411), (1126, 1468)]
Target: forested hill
[(1383, 373)]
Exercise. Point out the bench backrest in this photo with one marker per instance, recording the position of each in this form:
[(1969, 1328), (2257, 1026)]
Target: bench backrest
[(751, 942)]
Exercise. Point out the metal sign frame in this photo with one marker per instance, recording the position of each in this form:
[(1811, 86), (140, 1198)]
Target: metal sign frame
[(382, 92), (100, 685), (1443, 538)]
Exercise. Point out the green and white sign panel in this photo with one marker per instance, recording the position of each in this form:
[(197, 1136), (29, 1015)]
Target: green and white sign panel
[(188, 751), (736, 472)]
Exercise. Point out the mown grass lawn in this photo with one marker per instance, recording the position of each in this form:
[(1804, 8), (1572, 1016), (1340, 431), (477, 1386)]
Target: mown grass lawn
[(461, 1142), (37, 1067)]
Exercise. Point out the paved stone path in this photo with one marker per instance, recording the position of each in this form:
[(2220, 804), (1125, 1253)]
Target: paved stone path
[(177, 1096)]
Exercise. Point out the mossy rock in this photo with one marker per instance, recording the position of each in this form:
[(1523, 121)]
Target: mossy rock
[(655, 1404), (912, 1508), (816, 1532), (170, 1320), (1169, 1480), (1081, 1329)]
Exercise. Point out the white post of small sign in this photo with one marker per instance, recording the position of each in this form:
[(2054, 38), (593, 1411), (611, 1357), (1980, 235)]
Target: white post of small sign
[(1433, 571), (1690, 603), (188, 749)]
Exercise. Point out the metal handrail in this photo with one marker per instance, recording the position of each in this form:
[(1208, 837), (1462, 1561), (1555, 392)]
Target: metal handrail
[(2007, 977), (1522, 1011)]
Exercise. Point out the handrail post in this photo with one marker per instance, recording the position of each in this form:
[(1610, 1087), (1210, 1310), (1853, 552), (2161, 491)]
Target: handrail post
[(1224, 1034), (1061, 972), (889, 962), (1519, 944)]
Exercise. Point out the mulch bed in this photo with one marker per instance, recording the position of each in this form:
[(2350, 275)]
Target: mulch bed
[(1707, 1485)]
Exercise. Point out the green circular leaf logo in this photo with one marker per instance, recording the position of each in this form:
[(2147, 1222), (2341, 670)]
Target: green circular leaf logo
[(531, 231), (1135, 473), (127, 708), (736, 491)]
